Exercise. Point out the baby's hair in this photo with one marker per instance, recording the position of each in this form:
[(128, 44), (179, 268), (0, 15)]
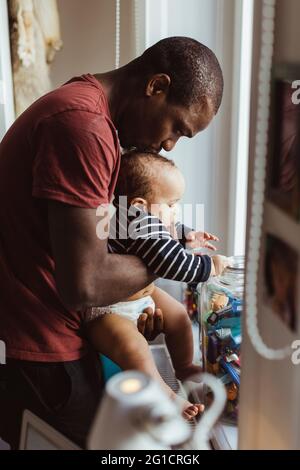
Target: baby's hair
[(138, 172)]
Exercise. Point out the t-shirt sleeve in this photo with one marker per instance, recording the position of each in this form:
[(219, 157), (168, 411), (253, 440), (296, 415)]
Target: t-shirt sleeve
[(73, 161)]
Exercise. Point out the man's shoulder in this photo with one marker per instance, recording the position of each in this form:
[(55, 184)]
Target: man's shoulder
[(80, 104), (78, 94)]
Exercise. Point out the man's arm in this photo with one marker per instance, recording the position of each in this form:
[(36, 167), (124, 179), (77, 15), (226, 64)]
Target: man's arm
[(86, 274)]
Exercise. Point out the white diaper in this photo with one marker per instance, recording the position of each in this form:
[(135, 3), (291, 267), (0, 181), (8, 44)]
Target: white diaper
[(131, 309)]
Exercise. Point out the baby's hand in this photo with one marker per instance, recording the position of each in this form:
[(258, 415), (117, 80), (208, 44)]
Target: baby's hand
[(201, 240), (218, 264)]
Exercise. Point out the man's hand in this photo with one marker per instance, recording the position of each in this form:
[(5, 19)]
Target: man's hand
[(201, 240), (150, 324)]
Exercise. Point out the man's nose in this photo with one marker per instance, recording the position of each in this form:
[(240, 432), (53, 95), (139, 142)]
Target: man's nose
[(169, 144)]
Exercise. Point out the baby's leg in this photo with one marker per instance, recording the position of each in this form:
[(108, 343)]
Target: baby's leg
[(178, 333), (119, 339)]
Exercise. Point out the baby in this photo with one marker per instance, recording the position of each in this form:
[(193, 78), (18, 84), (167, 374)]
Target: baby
[(145, 225)]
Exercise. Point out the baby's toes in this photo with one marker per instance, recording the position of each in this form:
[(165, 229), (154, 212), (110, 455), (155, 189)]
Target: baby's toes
[(200, 408), (190, 412)]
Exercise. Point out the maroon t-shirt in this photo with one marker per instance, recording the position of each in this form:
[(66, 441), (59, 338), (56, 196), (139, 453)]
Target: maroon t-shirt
[(64, 147)]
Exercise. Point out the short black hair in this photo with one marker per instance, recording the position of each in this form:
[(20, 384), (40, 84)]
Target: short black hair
[(137, 172), (193, 68)]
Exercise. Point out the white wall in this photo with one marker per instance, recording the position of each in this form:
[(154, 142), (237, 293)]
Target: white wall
[(287, 39), (88, 33)]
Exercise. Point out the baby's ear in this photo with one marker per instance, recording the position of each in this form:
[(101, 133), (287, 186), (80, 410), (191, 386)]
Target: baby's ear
[(140, 203)]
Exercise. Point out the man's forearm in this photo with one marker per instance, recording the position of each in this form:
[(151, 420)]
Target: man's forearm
[(86, 273), (107, 280), (121, 276)]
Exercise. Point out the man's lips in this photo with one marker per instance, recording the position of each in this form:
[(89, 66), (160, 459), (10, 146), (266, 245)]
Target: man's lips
[(142, 149), (149, 149)]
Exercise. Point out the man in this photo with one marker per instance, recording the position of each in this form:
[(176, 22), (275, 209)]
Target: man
[(58, 163)]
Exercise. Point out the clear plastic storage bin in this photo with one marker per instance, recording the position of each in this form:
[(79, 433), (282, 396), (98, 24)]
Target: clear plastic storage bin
[(220, 308)]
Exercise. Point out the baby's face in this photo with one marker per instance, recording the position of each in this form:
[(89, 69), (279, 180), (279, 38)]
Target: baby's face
[(168, 189)]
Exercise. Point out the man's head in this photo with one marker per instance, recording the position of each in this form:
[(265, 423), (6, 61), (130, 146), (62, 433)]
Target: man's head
[(174, 89), (152, 182)]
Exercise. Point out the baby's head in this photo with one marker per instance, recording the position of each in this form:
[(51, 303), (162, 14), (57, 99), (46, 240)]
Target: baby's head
[(151, 181)]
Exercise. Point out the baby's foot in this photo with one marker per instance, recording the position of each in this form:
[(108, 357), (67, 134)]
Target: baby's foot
[(190, 410), (187, 372)]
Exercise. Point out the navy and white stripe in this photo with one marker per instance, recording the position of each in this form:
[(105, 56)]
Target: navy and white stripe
[(149, 239)]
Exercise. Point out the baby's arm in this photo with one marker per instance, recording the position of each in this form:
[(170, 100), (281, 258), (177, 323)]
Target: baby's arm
[(150, 240)]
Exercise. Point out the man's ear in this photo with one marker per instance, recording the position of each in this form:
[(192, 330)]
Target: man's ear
[(139, 202), (159, 83), (206, 106)]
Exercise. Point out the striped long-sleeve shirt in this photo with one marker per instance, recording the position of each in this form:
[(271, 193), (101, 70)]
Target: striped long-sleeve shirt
[(139, 233)]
